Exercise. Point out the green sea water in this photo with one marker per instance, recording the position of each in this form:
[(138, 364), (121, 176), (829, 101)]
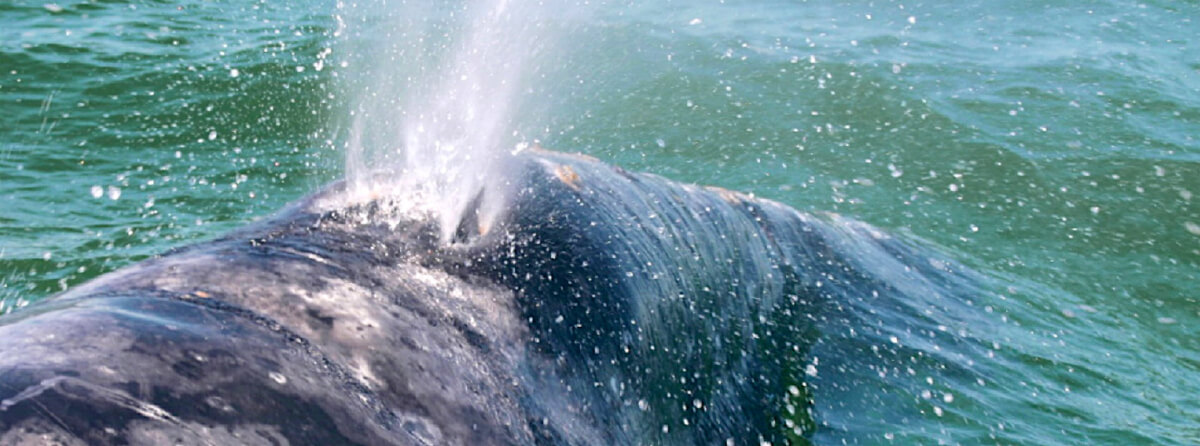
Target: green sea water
[(1051, 146)]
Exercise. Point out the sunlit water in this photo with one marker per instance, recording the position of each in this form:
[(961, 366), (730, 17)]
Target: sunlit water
[(1050, 146)]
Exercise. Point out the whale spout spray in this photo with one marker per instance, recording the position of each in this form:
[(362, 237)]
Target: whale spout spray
[(436, 101)]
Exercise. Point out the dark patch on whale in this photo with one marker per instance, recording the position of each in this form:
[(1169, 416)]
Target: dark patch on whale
[(603, 307)]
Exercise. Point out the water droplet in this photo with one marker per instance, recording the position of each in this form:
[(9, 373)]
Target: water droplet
[(234, 72), (97, 191), (278, 378), (114, 192)]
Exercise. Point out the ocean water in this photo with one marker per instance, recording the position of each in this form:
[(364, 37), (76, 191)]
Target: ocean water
[(1050, 147)]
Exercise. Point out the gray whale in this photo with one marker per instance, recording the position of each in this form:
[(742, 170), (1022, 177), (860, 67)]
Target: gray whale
[(603, 307)]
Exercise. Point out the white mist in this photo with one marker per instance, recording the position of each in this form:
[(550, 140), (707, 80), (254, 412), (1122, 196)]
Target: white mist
[(436, 90)]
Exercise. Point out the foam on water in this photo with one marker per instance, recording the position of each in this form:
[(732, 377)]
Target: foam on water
[(436, 99)]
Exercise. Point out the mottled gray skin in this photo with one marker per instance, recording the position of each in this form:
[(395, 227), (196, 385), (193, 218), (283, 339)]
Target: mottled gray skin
[(603, 308), (303, 330), (310, 328)]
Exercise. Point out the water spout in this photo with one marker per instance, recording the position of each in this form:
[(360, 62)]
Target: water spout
[(437, 94)]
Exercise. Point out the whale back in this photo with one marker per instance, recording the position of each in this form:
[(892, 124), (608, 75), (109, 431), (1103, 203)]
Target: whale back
[(602, 307)]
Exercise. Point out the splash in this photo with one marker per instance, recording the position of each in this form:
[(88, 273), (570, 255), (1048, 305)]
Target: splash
[(438, 89)]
